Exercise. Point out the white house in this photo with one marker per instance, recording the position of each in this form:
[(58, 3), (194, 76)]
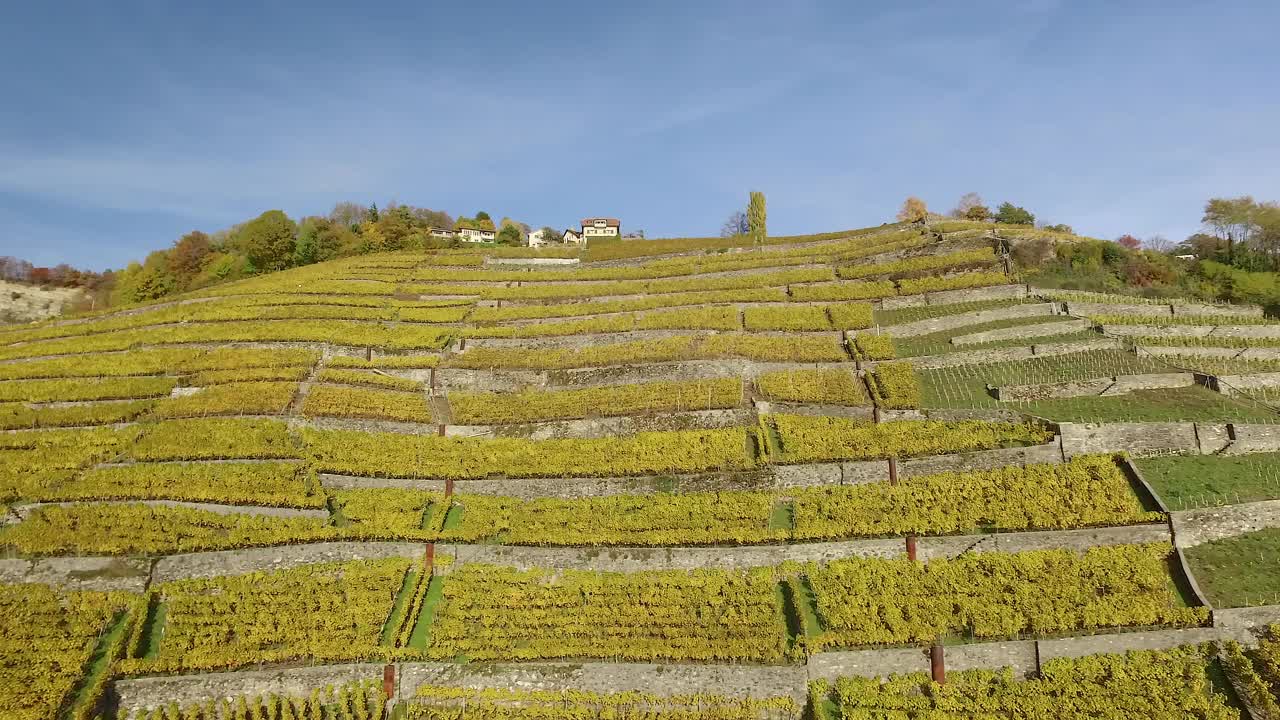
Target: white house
[(442, 232), (601, 228), (475, 235), (536, 239), (572, 236)]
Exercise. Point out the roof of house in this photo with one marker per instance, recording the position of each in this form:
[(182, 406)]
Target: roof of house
[(609, 222)]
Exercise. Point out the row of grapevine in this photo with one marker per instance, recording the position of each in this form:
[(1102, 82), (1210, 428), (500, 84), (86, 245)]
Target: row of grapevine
[(534, 405), (65, 390), (499, 613), (894, 386), (1161, 685), (441, 702), (367, 403), (831, 387), (336, 332), (874, 290), (962, 259), (1088, 491), (571, 290), (806, 438), (46, 641), (352, 376), (507, 313), (689, 347), (864, 601), (694, 318), (326, 612)]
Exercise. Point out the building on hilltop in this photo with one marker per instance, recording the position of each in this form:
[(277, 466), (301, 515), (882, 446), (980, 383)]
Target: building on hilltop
[(442, 232), (477, 235), (601, 228), (470, 230), (572, 236)]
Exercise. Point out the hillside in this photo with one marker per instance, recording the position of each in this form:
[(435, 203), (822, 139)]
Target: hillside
[(674, 479), (20, 303)]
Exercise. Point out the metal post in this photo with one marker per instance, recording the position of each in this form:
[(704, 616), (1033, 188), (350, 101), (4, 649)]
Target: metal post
[(893, 471), (937, 667), (388, 680)]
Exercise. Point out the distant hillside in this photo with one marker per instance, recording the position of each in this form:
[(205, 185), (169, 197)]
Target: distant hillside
[(25, 303)]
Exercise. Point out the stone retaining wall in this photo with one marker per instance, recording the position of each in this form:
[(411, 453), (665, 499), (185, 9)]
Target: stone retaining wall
[(240, 562), (531, 261), (1203, 525), (1242, 384), (1246, 617), (1138, 439), (928, 326), (79, 573), (1047, 329), (1104, 387), (1175, 351), (1145, 439), (1248, 332), (600, 677), (141, 694), (1122, 642)]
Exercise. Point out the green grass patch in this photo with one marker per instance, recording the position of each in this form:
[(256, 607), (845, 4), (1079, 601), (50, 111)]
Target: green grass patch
[(99, 661), (1240, 571), (1195, 481), (422, 624), (392, 626), (453, 518), (806, 606), (783, 516), (153, 631)]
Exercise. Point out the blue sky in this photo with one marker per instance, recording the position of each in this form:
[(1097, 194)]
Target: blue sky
[(126, 124)]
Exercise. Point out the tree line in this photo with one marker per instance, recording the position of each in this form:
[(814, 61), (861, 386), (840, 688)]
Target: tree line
[(269, 242)]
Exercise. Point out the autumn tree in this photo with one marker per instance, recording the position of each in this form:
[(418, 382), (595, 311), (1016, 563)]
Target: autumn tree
[(551, 235), (913, 210), (756, 217), (1129, 242), (347, 214), (736, 225), (188, 255), (267, 240), (971, 207)]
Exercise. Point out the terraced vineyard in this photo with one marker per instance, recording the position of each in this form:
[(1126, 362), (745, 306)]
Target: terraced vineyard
[(673, 479)]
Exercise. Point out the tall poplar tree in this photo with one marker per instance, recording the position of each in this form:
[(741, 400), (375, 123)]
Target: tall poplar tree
[(756, 217)]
